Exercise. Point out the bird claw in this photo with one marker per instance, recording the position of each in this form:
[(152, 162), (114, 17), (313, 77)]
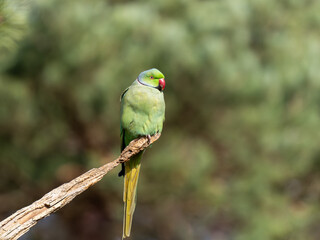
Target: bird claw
[(149, 139)]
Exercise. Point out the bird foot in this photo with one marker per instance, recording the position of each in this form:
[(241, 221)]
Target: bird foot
[(149, 139)]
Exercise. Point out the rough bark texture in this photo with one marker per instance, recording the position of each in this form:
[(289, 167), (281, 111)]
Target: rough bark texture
[(21, 221)]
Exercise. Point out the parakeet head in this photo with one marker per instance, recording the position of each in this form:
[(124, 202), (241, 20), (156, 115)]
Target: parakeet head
[(152, 78)]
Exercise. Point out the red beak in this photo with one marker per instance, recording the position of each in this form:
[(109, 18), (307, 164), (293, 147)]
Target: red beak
[(162, 84)]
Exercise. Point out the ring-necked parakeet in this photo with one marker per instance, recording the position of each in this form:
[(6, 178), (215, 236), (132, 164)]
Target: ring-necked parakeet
[(142, 114)]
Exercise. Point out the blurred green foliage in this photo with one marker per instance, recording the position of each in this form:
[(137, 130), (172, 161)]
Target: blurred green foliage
[(13, 24), (239, 155)]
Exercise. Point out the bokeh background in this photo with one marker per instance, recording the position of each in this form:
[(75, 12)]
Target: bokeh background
[(239, 156)]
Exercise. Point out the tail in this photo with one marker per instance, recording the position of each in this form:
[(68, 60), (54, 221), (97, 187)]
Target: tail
[(132, 170)]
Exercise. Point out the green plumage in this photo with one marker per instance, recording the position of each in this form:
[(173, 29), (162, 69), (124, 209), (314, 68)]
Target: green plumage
[(142, 113)]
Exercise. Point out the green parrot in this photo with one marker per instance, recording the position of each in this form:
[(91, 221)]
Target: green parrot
[(142, 114)]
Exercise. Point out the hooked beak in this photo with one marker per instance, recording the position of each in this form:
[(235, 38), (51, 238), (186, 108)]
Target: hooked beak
[(162, 84)]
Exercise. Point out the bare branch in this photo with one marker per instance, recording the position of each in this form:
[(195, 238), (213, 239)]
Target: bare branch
[(21, 221)]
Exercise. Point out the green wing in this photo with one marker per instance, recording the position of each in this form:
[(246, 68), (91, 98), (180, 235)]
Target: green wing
[(122, 136)]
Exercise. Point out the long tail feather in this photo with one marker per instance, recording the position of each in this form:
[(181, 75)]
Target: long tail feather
[(132, 170)]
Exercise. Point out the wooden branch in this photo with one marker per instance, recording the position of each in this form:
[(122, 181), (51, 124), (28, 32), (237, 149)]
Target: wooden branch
[(21, 221)]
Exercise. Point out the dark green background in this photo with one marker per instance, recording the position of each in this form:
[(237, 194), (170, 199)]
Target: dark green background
[(239, 155)]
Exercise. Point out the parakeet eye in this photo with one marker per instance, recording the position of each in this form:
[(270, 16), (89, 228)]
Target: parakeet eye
[(151, 77)]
